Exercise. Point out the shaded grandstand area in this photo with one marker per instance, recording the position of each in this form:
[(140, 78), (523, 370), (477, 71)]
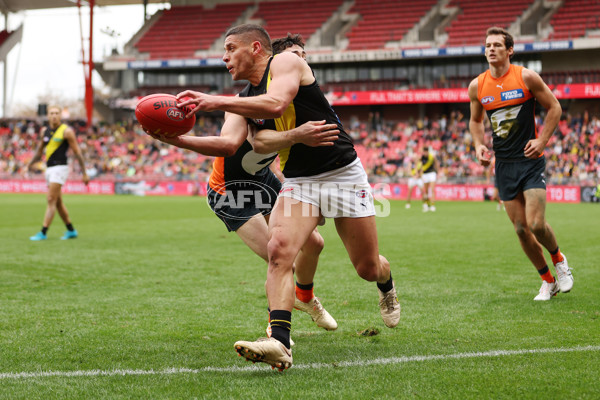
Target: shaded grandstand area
[(359, 25)]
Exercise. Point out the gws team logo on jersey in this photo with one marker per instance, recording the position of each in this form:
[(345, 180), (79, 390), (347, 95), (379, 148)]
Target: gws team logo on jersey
[(512, 94), (487, 99)]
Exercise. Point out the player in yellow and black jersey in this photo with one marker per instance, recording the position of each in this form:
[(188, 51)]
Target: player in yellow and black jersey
[(56, 139), (325, 181)]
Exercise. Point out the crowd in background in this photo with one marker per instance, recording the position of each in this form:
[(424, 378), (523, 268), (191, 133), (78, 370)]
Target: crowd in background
[(124, 152)]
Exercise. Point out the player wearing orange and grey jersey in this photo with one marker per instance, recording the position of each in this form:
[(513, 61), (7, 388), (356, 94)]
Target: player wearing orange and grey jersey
[(56, 139), (508, 94)]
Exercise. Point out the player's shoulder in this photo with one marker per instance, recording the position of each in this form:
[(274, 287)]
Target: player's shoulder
[(287, 60)]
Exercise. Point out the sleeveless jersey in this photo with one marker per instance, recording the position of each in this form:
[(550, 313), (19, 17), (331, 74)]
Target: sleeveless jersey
[(56, 146), (309, 105), (428, 163), (510, 106), (244, 165)]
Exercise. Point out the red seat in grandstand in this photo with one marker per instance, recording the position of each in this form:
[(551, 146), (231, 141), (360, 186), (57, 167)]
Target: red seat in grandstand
[(574, 18), (469, 27), (181, 31), (4, 34), (281, 17), (382, 21)]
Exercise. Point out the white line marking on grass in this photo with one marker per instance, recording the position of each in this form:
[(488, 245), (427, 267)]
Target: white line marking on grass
[(340, 364)]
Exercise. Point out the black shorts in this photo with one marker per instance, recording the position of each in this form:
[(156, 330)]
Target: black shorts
[(243, 200), (514, 177)]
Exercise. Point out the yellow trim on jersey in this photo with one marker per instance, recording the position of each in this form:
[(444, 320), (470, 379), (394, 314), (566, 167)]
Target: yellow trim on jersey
[(56, 140), (417, 167), (284, 123), (430, 159)]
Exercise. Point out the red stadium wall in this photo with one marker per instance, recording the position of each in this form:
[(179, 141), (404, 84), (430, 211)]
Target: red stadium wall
[(395, 191)]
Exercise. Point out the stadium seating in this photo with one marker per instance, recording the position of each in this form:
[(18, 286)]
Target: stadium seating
[(469, 27), (384, 21), (574, 18), (281, 17), (181, 31)]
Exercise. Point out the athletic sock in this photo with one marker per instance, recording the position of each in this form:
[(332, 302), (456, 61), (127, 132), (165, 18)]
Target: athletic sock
[(70, 227), (304, 293), (44, 230), (386, 287), (281, 324), (556, 256), (546, 274)]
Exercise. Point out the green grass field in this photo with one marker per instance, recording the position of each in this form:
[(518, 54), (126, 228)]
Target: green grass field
[(149, 300)]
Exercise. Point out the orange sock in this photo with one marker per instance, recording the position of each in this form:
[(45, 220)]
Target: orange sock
[(546, 275), (303, 294), (556, 257)]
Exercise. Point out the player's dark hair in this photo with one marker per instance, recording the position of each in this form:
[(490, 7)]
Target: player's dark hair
[(254, 33), (283, 43), (508, 39)]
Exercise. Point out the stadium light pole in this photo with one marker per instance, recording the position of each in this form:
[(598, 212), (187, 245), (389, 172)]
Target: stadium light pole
[(88, 66)]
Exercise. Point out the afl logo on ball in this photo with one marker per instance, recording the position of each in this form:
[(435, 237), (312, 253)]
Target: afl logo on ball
[(175, 114)]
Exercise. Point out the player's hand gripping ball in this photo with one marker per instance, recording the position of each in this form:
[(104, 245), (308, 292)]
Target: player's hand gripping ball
[(159, 115)]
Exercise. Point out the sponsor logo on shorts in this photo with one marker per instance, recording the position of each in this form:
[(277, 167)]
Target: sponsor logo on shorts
[(512, 94), (287, 189), (362, 194), (175, 114), (487, 99)]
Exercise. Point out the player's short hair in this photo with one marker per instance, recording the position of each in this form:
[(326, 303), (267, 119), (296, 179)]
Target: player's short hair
[(51, 106), (280, 44), (253, 33), (509, 41)]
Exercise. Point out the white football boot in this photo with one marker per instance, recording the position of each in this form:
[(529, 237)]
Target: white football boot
[(389, 306), (565, 278), (319, 315), (547, 291), (267, 350)]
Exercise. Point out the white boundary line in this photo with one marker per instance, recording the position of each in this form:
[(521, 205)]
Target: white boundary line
[(340, 364)]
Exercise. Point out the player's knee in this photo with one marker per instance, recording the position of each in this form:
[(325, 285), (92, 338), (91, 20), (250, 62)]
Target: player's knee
[(521, 230), (368, 270), (279, 251), (538, 228)]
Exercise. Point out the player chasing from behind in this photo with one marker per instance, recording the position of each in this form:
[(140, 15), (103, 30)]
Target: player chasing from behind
[(508, 94), (319, 181), (237, 168), (56, 139)]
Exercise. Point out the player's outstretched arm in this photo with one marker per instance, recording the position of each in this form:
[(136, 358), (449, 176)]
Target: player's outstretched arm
[(311, 133), (476, 126), (288, 72), (233, 134)]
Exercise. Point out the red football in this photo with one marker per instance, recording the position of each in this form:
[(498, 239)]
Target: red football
[(159, 114)]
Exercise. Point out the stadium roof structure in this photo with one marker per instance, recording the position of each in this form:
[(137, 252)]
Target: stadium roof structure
[(12, 6)]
